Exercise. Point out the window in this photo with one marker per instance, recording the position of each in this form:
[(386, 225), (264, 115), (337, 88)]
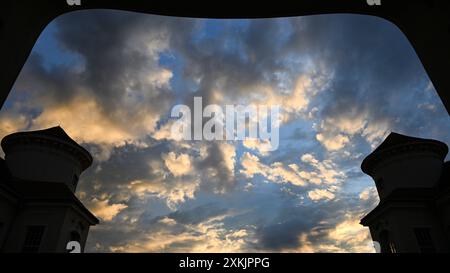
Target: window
[(33, 239), (424, 240)]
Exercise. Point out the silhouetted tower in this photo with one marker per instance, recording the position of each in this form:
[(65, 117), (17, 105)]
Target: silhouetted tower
[(39, 211), (412, 182)]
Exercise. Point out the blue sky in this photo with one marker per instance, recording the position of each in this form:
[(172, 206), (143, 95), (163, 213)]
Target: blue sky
[(110, 79)]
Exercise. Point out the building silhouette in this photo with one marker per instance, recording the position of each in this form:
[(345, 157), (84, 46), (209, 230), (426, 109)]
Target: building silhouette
[(413, 184), (39, 211)]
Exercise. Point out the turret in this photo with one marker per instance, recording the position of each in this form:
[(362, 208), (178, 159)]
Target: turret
[(414, 195), (45, 155), (405, 162)]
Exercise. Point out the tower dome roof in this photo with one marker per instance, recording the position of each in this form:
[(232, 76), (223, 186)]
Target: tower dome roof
[(398, 143), (54, 136)]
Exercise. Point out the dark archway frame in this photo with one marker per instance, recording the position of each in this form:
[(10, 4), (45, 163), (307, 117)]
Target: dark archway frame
[(426, 24)]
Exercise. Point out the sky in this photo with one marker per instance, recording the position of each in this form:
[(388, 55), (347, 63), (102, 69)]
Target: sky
[(111, 78)]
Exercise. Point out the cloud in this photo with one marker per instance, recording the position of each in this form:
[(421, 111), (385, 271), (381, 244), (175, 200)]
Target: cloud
[(276, 172), (114, 74), (347, 236), (86, 126), (337, 131), (12, 123), (326, 171), (332, 227), (165, 132), (353, 235), (229, 155), (189, 232), (105, 210), (174, 193), (320, 194), (217, 160), (333, 142), (262, 146), (168, 221), (178, 165), (292, 103), (368, 193)]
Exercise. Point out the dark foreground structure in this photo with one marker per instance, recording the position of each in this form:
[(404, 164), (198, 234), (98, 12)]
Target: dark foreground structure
[(413, 183), (39, 211)]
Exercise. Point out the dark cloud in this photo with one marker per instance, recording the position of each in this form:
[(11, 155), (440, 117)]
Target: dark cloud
[(130, 158), (375, 68), (197, 214), (113, 48), (283, 231)]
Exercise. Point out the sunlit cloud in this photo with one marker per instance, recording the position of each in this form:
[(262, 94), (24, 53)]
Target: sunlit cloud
[(209, 235), (320, 194), (178, 165), (173, 193), (105, 210)]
